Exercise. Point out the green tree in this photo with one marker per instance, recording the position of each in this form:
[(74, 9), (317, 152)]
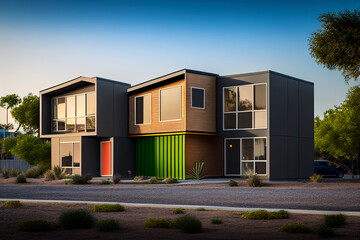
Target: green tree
[(337, 44), (337, 135), (32, 150), (27, 114), (7, 144), (9, 102)]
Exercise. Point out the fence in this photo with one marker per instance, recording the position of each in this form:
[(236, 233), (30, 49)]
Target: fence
[(15, 163)]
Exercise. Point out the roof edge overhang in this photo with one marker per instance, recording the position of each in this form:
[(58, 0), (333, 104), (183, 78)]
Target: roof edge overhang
[(68, 84)]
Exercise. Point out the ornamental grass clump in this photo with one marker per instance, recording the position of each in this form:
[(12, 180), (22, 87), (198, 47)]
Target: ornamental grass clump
[(253, 181), (216, 221), (265, 215), (179, 211), (59, 172), (316, 178), (200, 209), (108, 208), (34, 172), (233, 183), (5, 172), (105, 182), (170, 180), (116, 178), (76, 219), (324, 231), (334, 221), (197, 171), (138, 178), (153, 180), (14, 173), (108, 225), (189, 224), (49, 175), (295, 228), (36, 226), (21, 178), (159, 223), (13, 204), (77, 179)]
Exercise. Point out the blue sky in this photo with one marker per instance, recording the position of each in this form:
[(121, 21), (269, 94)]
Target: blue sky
[(43, 43)]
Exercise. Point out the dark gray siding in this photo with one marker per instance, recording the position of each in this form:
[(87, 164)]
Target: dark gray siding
[(90, 156), (124, 156), (105, 108), (45, 114)]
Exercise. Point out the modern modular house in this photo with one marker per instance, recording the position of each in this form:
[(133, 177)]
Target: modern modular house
[(259, 123)]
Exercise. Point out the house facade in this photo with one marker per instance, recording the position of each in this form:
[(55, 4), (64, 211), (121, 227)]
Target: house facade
[(259, 123)]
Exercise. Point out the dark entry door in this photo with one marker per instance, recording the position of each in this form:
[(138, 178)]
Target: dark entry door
[(232, 156)]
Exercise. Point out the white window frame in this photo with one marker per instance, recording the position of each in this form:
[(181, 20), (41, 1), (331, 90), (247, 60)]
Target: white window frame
[(252, 111), (192, 96), (135, 109), (251, 160), (73, 155), (181, 92)]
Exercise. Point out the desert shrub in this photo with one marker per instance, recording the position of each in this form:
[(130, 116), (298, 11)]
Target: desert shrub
[(325, 231), (216, 221), (36, 226), (59, 172), (108, 208), (5, 172), (67, 182), (238, 213), (104, 181), (34, 172), (170, 180), (159, 223), (316, 178), (107, 225), (179, 211), (74, 219), (200, 209), (14, 173), (265, 215), (254, 181), (295, 228), (21, 178), (49, 175), (138, 178), (197, 171), (13, 204), (189, 224), (77, 179), (116, 178), (233, 183), (335, 221), (153, 180)]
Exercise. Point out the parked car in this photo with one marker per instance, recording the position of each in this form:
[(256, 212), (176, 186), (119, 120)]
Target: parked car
[(325, 168)]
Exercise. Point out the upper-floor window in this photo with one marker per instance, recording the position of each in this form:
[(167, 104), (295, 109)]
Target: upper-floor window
[(245, 107), (143, 109), (74, 113), (198, 98), (170, 104)]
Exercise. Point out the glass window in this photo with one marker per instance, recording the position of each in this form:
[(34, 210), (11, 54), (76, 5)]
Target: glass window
[(230, 99), (139, 110), (197, 98), (70, 106), (260, 167), (260, 97), (260, 119), (61, 125), (54, 125), (247, 168), (76, 162), (247, 149), (170, 104), (66, 154), (245, 120), (54, 110), (80, 124), (230, 121), (90, 104), (80, 105), (260, 149), (245, 98), (61, 107), (70, 124), (90, 124)]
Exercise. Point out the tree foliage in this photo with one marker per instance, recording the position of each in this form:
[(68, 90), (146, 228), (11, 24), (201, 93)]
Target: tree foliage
[(7, 145), (10, 101), (337, 135), (337, 44), (27, 114)]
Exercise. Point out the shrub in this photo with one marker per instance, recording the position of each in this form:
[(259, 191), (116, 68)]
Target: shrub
[(335, 221), (159, 223), (104, 181), (108, 208), (189, 224), (200, 209), (107, 225), (171, 180), (49, 175), (5, 172), (59, 172), (13, 204), (34, 172), (216, 221), (36, 226), (295, 228), (316, 178), (179, 211), (21, 178), (74, 219), (116, 178), (325, 231), (265, 215), (138, 178), (254, 181), (233, 183), (197, 171), (77, 179), (153, 180), (14, 173)]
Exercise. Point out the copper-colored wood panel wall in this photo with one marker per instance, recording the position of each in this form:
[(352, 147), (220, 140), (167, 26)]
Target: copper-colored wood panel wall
[(207, 149), (201, 120), (156, 126)]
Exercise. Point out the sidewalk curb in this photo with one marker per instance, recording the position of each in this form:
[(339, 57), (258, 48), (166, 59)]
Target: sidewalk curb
[(297, 211)]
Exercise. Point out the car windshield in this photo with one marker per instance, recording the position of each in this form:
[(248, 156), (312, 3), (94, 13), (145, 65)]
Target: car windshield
[(320, 164)]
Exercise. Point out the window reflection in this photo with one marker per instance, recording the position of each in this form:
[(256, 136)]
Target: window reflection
[(90, 104), (245, 98), (90, 124), (229, 99), (170, 104)]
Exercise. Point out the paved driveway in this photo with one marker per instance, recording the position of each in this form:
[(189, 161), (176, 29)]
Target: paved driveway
[(346, 199)]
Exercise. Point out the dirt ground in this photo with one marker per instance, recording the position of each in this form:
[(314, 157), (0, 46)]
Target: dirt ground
[(133, 218)]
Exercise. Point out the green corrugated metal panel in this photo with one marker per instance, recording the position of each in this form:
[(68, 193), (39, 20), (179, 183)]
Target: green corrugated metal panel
[(161, 156)]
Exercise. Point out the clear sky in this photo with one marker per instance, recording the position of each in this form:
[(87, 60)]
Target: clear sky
[(44, 43)]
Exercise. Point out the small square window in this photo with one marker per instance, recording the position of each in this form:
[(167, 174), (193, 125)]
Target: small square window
[(198, 98)]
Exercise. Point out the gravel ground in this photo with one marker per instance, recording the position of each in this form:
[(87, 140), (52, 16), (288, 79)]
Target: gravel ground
[(321, 197)]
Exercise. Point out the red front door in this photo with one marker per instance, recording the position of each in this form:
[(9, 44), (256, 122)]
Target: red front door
[(106, 159)]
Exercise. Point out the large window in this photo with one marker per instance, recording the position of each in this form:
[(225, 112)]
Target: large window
[(198, 98), (143, 109), (245, 107), (170, 104), (70, 157), (74, 113)]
